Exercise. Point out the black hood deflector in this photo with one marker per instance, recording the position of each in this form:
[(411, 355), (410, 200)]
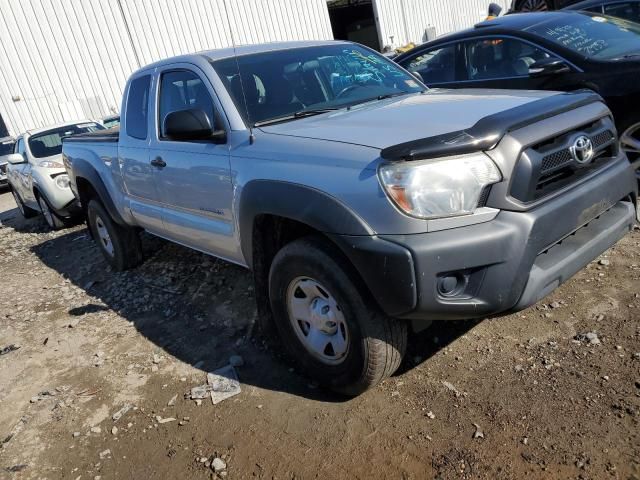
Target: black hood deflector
[(487, 132)]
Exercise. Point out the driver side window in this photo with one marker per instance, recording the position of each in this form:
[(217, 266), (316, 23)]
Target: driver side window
[(183, 90), (435, 66), (19, 148), (493, 58)]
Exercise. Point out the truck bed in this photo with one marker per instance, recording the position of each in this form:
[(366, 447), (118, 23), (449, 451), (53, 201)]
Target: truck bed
[(109, 135)]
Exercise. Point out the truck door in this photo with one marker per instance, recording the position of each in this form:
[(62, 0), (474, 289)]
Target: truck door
[(133, 156), (194, 176)]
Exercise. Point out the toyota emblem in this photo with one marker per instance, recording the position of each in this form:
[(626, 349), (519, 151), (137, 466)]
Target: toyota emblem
[(582, 149)]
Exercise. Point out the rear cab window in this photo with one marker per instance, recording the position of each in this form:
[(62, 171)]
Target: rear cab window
[(137, 114)]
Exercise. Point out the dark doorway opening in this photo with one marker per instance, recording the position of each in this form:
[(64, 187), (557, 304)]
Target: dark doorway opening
[(354, 20), (3, 128)]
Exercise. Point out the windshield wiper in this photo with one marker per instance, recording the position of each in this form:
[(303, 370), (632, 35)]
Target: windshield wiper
[(379, 97), (627, 56), (293, 116)]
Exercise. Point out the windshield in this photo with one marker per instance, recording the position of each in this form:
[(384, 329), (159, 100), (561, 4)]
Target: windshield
[(285, 82), (595, 36), (46, 144)]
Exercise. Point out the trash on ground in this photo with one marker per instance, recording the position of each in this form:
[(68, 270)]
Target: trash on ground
[(200, 392), (9, 349), (224, 384), (118, 415)]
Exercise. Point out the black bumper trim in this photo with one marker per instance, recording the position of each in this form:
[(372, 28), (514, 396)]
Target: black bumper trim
[(562, 261)]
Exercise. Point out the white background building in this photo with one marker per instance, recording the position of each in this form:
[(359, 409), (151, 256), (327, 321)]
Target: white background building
[(69, 59)]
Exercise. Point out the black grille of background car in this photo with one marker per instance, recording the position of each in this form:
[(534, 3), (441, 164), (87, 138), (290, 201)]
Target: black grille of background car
[(549, 166), (3, 169)]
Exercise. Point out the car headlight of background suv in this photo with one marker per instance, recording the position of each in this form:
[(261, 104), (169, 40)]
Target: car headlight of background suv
[(50, 164), (440, 187), (62, 181)]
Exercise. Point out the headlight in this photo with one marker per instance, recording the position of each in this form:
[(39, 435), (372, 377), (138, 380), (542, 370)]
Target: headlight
[(50, 164), (441, 187), (62, 181)]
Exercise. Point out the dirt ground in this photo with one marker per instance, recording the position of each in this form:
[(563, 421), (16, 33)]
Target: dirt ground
[(527, 395)]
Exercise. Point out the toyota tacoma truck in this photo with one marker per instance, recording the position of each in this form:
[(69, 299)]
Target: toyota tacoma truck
[(365, 204)]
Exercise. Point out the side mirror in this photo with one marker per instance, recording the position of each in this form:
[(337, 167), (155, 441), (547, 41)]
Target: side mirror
[(192, 124), (15, 159), (548, 66)]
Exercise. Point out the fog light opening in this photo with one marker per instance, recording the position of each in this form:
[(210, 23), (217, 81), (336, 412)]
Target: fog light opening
[(452, 284)]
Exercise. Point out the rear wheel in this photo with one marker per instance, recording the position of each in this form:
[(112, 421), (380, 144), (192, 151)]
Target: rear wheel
[(532, 6), (54, 222), (25, 211), (337, 334), (119, 244)]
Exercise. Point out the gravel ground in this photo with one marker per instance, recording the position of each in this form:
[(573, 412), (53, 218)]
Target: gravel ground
[(551, 392)]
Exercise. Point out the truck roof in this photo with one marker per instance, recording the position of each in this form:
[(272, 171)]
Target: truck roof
[(218, 54)]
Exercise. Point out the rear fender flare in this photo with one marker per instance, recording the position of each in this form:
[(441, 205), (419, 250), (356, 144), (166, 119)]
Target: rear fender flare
[(83, 169)]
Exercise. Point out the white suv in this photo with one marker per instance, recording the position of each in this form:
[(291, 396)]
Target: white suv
[(36, 174)]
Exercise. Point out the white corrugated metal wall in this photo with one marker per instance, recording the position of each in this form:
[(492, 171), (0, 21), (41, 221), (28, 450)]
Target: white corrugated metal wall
[(69, 59), (407, 20)]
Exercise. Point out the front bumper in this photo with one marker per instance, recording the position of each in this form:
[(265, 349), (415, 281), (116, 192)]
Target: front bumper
[(506, 264)]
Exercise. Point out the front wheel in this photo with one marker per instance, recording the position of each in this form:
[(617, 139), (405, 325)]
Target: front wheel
[(119, 244), (54, 222), (336, 334)]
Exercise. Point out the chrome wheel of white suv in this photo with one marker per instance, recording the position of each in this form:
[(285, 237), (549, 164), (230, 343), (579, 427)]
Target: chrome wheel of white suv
[(51, 218)]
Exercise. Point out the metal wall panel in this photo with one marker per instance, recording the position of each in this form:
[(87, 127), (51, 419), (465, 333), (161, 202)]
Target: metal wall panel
[(407, 20), (69, 59)]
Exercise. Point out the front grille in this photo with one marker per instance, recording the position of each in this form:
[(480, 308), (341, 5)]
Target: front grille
[(548, 166), (3, 169)]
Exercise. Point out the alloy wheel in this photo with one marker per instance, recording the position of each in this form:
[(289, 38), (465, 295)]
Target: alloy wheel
[(318, 320), (46, 212), (534, 6), (630, 145)]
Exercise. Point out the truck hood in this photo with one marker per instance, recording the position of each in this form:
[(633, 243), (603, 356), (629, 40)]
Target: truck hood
[(384, 123)]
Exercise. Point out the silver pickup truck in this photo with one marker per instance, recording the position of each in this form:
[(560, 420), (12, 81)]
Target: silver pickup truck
[(365, 204)]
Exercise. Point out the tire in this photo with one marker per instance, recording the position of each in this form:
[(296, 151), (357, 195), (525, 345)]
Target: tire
[(120, 245), (53, 220), (532, 6), (630, 142), (25, 211), (359, 345)]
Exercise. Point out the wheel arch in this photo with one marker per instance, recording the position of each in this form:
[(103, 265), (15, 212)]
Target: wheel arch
[(272, 214), (89, 185)]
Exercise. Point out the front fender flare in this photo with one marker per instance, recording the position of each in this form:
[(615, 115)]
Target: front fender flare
[(386, 268)]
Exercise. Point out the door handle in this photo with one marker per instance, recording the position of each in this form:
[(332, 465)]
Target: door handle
[(158, 162)]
